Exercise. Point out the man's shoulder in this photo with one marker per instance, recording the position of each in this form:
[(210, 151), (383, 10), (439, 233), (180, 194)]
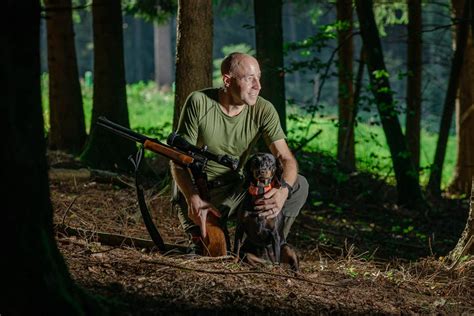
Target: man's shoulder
[(263, 105), (204, 95)]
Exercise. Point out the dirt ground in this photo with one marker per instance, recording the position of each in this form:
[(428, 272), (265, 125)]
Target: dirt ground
[(343, 269)]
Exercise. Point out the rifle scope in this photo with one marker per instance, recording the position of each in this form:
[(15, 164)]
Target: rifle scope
[(175, 140)]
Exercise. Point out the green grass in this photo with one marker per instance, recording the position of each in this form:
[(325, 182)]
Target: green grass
[(149, 109), (371, 147), (151, 112)]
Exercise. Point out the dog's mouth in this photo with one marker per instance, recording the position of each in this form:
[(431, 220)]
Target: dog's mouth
[(263, 181)]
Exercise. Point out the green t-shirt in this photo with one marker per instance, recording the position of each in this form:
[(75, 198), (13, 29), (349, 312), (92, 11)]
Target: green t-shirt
[(202, 122)]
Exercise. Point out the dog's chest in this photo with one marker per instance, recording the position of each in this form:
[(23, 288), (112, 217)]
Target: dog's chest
[(259, 231)]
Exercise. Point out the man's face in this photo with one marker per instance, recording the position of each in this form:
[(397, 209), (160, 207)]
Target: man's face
[(244, 83)]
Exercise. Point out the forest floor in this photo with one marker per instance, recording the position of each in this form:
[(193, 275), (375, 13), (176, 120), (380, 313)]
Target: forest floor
[(359, 253)]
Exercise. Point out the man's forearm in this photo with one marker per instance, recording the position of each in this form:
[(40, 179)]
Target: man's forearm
[(183, 180), (290, 170)]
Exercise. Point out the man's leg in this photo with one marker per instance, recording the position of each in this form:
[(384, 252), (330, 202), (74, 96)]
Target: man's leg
[(293, 205), (226, 198)]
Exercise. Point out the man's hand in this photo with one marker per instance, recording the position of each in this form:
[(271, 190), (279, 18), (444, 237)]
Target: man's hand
[(198, 210), (272, 202)]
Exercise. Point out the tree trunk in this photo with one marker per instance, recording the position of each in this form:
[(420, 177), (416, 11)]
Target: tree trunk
[(35, 276), (163, 60), (66, 115), (105, 150), (464, 169), (193, 51), (270, 53), (465, 245), (345, 140), (414, 70), (434, 183), (409, 192)]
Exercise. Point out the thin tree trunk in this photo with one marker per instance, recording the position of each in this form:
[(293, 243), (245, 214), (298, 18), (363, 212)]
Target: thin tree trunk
[(163, 60), (66, 115), (345, 141), (414, 63), (270, 53), (194, 50), (409, 192), (434, 183), (35, 276), (464, 169), (355, 108), (465, 245), (139, 55), (105, 150)]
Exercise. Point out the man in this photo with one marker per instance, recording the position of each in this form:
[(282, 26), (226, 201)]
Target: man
[(230, 120)]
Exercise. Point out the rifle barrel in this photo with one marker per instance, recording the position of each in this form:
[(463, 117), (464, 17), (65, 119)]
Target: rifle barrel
[(120, 130)]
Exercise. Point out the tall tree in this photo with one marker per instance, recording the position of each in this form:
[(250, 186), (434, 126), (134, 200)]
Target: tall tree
[(409, 192), (35, 276), (414, 70), (345, 140), (464, 169), (434, 183), (193, 51), (162, 54), (270, 53), (105, 150), (66, 114)]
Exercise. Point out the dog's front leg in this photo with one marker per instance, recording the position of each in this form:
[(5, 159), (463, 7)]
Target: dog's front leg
[(276, 246)]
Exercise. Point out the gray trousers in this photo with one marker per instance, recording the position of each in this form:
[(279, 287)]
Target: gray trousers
[(228, 198)]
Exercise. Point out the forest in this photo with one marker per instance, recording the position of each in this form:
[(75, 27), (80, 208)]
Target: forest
[(375, 98)]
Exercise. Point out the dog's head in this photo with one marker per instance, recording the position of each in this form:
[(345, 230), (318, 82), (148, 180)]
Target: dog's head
[(262, 168)]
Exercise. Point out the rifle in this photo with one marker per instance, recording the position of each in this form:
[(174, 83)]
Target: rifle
[(188, 156)]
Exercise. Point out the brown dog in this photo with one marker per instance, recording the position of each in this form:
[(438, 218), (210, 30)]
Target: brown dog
[(259, 239)]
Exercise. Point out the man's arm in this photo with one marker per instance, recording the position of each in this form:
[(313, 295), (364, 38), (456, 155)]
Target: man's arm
[(283, 153), (273, 200)]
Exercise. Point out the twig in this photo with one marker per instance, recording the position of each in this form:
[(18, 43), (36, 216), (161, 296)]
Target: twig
[(222, 272), (67, 210)]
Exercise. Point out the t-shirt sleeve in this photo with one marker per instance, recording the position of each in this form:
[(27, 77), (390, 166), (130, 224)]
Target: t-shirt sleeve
[(271, 126), (189, 119)]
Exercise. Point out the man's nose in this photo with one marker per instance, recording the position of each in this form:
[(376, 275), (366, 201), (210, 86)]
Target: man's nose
[(256, 84)]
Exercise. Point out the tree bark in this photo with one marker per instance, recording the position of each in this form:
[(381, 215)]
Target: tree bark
[(105, 150), (409, 192), (35, 276), (465, 245), (345, 140), (270, 53), (414, 70), (66, 114), (163, 60), (193, 51), (464, 169), (434, 183)]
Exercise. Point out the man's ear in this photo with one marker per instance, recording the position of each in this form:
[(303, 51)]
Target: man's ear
[(226, 79)]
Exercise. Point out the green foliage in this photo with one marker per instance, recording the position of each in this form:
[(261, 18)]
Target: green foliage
[(390, 13), (150, 111), (151, 10), (372, 152)]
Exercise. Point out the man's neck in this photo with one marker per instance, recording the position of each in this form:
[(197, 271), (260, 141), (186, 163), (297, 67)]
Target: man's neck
[(227, 106)]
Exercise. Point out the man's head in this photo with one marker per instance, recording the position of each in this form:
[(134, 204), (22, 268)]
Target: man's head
[(241, 77)]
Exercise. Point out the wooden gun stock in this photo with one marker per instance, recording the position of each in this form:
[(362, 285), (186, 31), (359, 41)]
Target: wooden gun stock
[(172, 154)]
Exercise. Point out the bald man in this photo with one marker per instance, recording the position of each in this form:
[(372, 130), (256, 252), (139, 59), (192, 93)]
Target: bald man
[(230, 120)]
